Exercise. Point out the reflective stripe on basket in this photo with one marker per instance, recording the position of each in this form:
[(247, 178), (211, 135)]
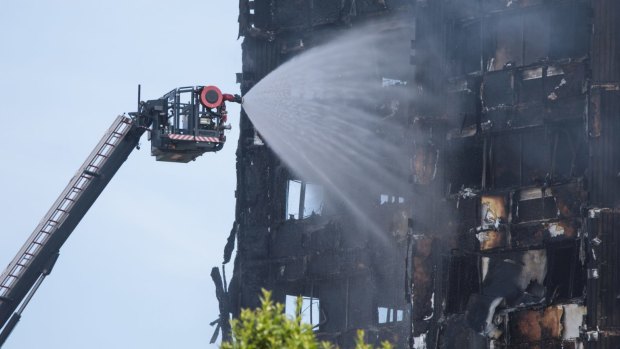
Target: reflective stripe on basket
[(195, 139)]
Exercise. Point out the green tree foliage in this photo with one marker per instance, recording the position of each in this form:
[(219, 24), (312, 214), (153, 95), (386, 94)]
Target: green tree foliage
[(268, 327)]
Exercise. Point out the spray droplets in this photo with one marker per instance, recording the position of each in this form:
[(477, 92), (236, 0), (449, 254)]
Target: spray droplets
[(329, 114)]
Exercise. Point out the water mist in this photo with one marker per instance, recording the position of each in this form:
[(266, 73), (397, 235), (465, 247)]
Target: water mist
[(334, 115)]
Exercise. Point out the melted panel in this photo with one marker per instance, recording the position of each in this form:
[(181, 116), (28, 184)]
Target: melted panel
[(370, 6), (262, 13), (333, 302), (463, 280), (361, 311), (291, 270), (508, 32), (465, 164), (566, 275), (424, 163), (537, 209), (532, 115), (462, 9), (498, 89), (462, 107), (531, 87), (536, 36), (570, 154), (536, 157), (326, 11), (526, 236), (423, 275), (530, 326), (291, 13), (570, 30), (493, 211), (467, 49), (569, 200), (500, 118), (506, 161), (498, 5)]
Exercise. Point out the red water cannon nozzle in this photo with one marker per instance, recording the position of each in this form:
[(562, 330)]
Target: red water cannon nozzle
[(211, 97)]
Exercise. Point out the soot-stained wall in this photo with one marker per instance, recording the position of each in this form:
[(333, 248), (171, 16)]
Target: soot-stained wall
[(515, 242)]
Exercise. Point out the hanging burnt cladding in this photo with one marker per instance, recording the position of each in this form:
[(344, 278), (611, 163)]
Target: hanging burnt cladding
[(187, 122)]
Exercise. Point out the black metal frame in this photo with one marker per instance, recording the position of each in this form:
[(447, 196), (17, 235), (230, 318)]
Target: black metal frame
[(179, 112), (191, 112)]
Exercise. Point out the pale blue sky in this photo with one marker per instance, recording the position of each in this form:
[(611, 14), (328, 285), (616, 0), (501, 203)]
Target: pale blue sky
[(135, 272)]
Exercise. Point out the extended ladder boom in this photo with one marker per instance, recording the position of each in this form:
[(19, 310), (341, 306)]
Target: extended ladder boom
[(37, 256)]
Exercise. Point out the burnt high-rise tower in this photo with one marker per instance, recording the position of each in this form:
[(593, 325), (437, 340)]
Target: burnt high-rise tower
[(514, 244)]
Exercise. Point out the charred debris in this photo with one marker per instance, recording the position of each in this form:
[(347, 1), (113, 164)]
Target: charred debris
[(516, 243)]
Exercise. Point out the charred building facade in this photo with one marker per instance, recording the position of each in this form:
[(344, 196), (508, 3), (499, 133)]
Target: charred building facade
[(515, 244)]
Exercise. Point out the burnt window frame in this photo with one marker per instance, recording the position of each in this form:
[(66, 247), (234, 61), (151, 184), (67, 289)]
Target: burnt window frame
[(559, 21), (528, 161)]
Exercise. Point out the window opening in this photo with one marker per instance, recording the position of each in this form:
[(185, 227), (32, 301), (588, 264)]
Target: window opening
[(303, 199), (313, 200), (258, 140), (310, 309), (389, 315), (387, 199), (293, 193)]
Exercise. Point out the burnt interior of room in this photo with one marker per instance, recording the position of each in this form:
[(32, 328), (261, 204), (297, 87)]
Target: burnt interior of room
[(514, 245)]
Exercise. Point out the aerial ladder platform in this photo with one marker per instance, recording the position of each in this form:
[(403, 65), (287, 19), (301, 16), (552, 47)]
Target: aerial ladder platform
[(179, 130)]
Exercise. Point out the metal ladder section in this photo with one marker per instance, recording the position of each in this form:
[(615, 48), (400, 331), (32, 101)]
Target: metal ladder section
[(61, 209)]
